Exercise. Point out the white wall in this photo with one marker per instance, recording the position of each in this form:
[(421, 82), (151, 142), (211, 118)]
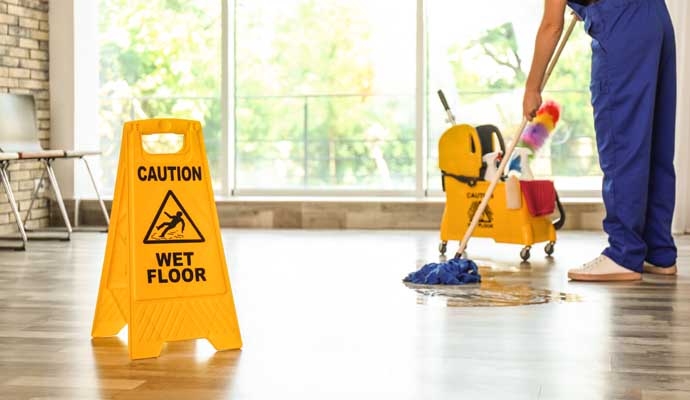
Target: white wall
[(680, 12), (73, 86)]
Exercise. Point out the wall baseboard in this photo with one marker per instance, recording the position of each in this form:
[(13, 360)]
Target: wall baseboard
[(336, 214)]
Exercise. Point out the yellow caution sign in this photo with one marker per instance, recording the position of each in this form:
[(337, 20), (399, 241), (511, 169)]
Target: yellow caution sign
[(164, 272)]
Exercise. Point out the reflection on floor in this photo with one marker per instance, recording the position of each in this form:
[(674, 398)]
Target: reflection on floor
[(324, 315), (491, 292)]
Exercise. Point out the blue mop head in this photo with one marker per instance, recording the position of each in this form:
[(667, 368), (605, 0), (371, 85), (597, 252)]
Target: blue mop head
[(454, 272)]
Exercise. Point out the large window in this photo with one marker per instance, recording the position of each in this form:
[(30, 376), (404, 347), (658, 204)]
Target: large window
[(324, 93), (159, 58), (481, 60)]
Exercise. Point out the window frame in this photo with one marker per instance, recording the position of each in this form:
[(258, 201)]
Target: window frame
[(423, 189)]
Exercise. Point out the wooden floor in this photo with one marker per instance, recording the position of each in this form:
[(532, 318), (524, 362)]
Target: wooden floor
[(324, 315)]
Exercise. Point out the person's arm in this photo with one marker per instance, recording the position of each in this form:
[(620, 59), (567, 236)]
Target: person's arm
[(548, 36), (169, 216)]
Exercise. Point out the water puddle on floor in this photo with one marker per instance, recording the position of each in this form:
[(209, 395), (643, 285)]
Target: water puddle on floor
[(490, 292)]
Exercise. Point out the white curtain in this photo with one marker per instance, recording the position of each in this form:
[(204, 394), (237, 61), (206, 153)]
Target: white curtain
[(680, 12)]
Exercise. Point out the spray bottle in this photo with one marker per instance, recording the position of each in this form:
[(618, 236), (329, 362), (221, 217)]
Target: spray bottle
[(491, 167), (520, 163)]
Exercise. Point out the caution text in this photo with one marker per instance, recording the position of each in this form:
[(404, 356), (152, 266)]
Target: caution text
[(162, 173)]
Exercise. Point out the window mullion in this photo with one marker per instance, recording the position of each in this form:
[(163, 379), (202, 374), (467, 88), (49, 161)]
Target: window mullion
[(228, 96), (420, 102)]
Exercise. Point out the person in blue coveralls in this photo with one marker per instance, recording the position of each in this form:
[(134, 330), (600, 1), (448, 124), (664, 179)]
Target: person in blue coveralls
[(633, 88)]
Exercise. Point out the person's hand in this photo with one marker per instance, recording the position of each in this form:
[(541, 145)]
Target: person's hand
[(531, 103)]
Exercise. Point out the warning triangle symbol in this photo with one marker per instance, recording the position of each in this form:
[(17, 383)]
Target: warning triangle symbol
[(172, 224), (487, 215)]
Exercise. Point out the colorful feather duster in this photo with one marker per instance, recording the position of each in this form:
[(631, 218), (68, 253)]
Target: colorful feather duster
[(542, 125)]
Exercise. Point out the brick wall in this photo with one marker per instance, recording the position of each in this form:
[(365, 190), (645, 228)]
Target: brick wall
[(24, 69)]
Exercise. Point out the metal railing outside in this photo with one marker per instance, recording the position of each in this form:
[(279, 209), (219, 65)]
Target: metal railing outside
[(135, 111)]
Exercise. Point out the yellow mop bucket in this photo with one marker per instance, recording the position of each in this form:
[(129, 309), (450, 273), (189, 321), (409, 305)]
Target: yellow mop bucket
[(461, 149)]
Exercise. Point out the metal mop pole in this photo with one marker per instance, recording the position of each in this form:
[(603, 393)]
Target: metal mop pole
[(513, 144)]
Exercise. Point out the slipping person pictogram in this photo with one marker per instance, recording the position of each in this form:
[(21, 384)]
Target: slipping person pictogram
[(174, 221), (171, 224)]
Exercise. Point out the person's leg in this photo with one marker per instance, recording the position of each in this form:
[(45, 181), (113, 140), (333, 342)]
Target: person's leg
[(165, 231), (626, 49), (661, 249)]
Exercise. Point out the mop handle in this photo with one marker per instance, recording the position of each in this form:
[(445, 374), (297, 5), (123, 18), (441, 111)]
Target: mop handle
[(451, 117), (513, 144)]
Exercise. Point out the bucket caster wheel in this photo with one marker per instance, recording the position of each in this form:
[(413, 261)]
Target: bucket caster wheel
[(442, 248), (525, 253), (549, 248)]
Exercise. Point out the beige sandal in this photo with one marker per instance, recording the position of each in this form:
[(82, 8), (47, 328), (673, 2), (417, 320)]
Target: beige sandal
[(603, 269), (652, 269)]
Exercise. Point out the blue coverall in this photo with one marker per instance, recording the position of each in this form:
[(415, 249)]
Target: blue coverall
[(634, 98)]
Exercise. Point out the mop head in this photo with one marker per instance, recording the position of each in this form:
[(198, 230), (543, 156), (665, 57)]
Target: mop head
[(542, 125), (453, 272)]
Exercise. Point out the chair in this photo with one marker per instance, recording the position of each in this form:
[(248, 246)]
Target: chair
[(18, 134), (5, 159), (82, 154), (73, 154)]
